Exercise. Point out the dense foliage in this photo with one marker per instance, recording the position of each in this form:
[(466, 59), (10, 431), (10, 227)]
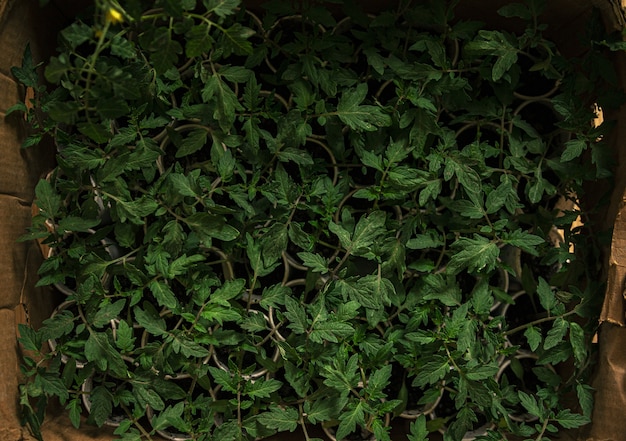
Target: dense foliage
[(276, 220)]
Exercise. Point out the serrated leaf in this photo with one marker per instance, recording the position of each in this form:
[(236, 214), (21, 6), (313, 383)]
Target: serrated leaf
[(185, 185), (477, 254), (199, 41), (584, 393), (315, 262), (194, 141), (524, 240), (171, 416), (556, 333), (30, 339), (424, 241), (573, 149), (330, 331), (188, 348), (367, 230), (546, 296), (281, 419), (578, 341), (570, 420), (515, 10), (98, 349), (379, 379), (419, 431), (530, 404), (433, 370), (58, 325), (296, 315), (360, 117), (163, 294), (483, 372), (150, 320), (101, 405), (27, 73), (262, 388), (124, 338), (351, 418), (48, 201), (533, 336), (108, 312)]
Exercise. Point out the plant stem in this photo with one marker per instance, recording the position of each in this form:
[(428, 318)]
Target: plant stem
[(537, 322)]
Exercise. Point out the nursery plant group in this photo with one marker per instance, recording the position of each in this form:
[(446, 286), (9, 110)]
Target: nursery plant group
[(266, 220)]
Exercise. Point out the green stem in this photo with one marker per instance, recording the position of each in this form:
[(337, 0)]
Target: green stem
[(537, 322)]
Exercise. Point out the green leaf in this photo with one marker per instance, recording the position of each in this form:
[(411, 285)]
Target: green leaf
[(223, 99), (58, 325), (367, 230), (199, 41), (146, 396), (262, 388), (433, 370), (424, 241), (112, 107), (77, 224), (524, 240), (108, 312), (547, 297), (185, 185), (570, 420), (533, 336), (163, 294), (530, 404), (296, 315), (48, 201), (164, 51), (150, 320), (187, 347), (556, 333), (331, 331), (419, 431), (30, 339), (101, 405), (171, 416), (484, 372), (125, 339), (315, 262), (351, 417), (224, 379), (515, 10), (194, 141), (27, 74), (578, 341), (584, 393), (573, 149), (75, 410), (379, 379), (477, 254), (229, 290), (274, 243), (341, 233), (99, 350), (360, 117), (281, 419)]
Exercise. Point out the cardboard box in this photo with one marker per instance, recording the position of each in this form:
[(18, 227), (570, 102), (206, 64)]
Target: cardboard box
[(23, 22)]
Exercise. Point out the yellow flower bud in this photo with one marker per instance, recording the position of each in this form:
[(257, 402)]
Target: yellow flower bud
[(114, 16)]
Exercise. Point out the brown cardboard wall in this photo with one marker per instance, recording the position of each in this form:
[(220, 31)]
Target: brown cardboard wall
[(19, 171)]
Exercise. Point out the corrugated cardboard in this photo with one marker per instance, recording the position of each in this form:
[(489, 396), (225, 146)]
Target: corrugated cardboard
[(19, 171)]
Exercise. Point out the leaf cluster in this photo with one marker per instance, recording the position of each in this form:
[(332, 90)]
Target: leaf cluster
[(266, 222)]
